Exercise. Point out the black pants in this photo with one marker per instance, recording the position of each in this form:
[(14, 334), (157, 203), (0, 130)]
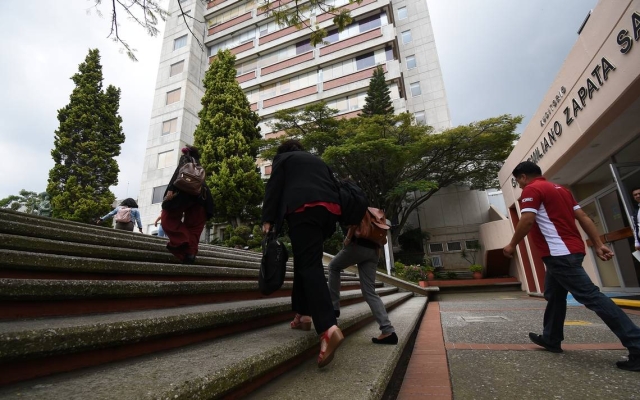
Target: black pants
[(310, 294)]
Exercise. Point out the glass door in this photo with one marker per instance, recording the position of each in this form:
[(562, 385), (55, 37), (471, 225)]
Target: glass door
[(620, 212)]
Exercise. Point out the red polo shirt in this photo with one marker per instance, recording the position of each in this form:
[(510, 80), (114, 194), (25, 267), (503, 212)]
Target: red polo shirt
[(554, 232)]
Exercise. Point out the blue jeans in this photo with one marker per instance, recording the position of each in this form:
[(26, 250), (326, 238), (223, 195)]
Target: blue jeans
[(565, 274)]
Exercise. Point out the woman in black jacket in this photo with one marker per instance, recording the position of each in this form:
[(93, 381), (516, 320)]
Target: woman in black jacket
[(183, 215), (302, 190)]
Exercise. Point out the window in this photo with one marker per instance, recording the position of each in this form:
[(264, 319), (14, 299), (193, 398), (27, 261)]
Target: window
[(303, 47), (389, 53), (436, 248), (365, 61), (454, 246), (402, 12), (472, 244), (170, 126), (415, 89), (158, 194), (180, 42), (421, 119), (436, 261), (173, 96), (411, 62), (246, 67), (165, 159), (406, 37), (176, 68)]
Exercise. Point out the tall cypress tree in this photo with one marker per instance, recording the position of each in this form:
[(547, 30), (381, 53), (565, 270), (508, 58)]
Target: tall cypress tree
[(378, 100), (87, 140), (228, 137)]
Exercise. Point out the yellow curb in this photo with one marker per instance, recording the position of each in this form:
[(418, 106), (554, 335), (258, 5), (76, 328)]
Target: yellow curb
[(627, 303)]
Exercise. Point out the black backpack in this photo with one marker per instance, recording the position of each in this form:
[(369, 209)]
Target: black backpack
[(273, 265), (353, 202)]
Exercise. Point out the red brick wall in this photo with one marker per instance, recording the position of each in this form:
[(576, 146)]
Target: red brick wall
[(357, 76), (254, 106), (286, 63), (290, 96), (281, 33), (352, 41), (230, 23), (246, 77), (215, 3)]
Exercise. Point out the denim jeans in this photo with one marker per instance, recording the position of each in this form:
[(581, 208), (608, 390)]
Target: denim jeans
[(366, 259), (565, 274)]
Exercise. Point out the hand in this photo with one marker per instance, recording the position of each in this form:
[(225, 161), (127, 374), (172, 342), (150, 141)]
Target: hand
[(346, 242), (266, 227), (604, 253), (155, 223), (508, 250), (170, 195), (98, 221)]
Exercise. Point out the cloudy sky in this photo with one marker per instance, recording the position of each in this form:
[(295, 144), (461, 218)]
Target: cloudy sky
[(497, 57)]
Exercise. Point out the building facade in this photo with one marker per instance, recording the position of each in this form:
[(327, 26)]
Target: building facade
[(585, 136), (278, 68)]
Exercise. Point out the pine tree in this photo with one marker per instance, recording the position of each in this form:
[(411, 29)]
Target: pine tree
[(378, 100), (87, 140), (228, 137)]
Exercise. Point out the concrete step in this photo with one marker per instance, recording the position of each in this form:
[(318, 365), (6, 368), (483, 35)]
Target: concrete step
[(31, 298), (224, 360), (24, 264), (361, 370)]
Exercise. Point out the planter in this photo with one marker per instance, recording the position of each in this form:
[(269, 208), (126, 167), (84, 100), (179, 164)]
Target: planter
[(477, 275), (423, 283), (430, 276)]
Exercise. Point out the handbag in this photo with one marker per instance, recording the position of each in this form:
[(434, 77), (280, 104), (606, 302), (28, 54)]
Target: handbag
[(273, 265), (373, 227), (190, 178)]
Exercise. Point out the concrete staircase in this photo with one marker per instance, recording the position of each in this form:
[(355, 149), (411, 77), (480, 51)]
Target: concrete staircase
[(89, 312)]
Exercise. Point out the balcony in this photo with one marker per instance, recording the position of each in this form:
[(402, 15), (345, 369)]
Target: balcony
[(350, 7), (297, 60), (283, 98), (347, 79), (232, 23)]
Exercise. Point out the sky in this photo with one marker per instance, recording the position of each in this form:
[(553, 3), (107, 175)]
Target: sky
[(497, 57)]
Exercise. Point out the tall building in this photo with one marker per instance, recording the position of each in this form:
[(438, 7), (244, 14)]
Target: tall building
[(278, 68)]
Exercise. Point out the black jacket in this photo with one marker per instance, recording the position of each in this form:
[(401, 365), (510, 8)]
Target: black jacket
[(182, 200), (297, 178)]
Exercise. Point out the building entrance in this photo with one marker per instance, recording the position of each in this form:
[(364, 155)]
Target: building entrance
[(611, 210)]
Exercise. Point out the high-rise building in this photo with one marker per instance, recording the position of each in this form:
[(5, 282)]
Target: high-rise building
[(278, 68)]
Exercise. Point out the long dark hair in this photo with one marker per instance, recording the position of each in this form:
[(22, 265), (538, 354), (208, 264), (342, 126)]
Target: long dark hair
[(191, 151), (131, 203)]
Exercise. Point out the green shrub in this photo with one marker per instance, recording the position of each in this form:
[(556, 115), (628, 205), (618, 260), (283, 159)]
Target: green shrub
[(475, 268), (398, 267), (413, 273), (452, 275)]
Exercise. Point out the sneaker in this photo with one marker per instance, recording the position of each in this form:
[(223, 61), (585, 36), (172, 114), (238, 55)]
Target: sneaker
[(632, 364), (537, 339)]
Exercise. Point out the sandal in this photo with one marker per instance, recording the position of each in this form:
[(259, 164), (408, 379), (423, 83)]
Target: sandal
[(332, 343), (297, 323)]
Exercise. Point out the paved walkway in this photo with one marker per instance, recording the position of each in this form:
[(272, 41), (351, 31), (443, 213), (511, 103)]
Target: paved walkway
[(476, 346)]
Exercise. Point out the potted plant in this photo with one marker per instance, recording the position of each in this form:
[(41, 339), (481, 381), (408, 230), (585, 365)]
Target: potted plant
[(429, 275), (477, 271), (413, 273)]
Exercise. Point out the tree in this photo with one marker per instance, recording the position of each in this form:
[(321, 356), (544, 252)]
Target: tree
[(25, 201), (399, 164), (145, 13), (228, 137), (87, 140), (297, 14), (378, 100)]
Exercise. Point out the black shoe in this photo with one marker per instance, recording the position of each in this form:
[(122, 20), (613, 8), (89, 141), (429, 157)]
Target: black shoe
[(537, 339), (189, 259), (337, 313), (632, 364), (391, 339)]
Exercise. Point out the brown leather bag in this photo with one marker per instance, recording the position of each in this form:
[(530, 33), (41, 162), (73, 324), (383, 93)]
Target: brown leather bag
[(190, 178), (373, 227)]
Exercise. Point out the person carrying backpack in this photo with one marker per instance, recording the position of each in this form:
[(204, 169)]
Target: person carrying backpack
[(362, 247), (125, 215)]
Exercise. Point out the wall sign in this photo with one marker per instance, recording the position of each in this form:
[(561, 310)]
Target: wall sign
[(600, 74)]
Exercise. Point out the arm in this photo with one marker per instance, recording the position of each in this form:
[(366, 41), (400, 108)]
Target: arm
[(136, 212), (155, 223), (349, 236), (111, 214), (602, 251), (524, 226)]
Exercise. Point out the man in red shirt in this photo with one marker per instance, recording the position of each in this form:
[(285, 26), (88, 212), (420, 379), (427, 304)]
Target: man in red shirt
[(548, 215)]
